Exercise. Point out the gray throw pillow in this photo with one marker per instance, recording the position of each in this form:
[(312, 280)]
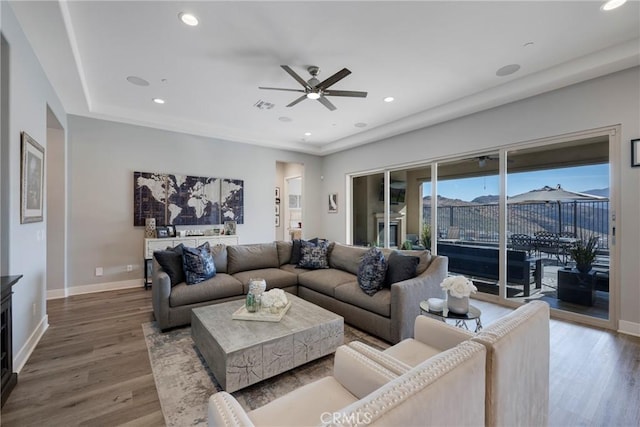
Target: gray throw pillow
[(371, 271), (171, 262), (198, 264), (400, 267), (314, 257)]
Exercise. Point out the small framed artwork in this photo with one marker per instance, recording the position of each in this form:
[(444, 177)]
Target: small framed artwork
[(32, 180), (277, 192), (230, 228), (277, 209), (162, 232), (171, 229), (635, 153), (277, 220), (277, 200), (333, 203)]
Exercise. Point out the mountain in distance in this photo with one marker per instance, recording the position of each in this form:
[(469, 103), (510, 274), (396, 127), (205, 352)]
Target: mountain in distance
[(602, 192)]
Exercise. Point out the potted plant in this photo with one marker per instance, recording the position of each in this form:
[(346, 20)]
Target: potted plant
[(425, 237), (584, 253)]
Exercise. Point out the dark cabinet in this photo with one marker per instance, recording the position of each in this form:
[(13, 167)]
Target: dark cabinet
[(9, 378)]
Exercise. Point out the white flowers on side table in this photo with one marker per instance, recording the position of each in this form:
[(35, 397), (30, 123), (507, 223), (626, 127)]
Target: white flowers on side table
[(458, 290)]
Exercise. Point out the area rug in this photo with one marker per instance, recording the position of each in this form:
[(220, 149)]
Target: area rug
[(185, 383)]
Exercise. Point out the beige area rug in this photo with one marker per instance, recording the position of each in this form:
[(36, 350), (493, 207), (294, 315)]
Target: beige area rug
[(185, 383)]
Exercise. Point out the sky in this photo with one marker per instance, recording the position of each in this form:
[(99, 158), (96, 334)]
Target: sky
[(577, 178)]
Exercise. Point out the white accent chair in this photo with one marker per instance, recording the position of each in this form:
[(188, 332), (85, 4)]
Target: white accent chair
[(517, 371), (362, 391)]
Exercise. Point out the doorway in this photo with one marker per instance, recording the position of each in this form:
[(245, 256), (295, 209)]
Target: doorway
[(56, 202), (289, 206)]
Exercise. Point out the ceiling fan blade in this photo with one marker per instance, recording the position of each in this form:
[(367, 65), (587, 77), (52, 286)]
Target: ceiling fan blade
[(280, 88), (295, 76), (353, 93), (324, 101), (334, 79), (302, 98)]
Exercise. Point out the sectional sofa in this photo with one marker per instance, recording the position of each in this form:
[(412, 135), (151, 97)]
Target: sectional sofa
[(388, 314)]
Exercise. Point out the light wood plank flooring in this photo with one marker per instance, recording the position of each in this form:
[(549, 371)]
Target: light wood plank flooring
[(92, 368)]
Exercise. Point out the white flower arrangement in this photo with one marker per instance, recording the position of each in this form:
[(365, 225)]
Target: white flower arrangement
[(274, 300), (458, 286)]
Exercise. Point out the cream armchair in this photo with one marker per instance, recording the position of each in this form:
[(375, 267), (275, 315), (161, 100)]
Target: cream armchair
[(364, 392), (517, 361)]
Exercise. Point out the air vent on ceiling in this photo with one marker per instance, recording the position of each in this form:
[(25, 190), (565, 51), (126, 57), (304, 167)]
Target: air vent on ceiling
[(263, 105)]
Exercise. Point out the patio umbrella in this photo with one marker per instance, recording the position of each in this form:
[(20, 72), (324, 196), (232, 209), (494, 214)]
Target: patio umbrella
[(551, 194)]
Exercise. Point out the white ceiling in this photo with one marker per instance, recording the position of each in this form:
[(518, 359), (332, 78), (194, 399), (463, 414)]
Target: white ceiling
[(438, 59)]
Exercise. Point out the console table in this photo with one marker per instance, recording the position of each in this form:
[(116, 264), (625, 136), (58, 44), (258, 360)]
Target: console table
[(9, 378), (151, 245)]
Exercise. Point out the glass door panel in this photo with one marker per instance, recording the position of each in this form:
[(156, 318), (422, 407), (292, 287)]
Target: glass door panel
[(468, 219), (368, 208), (558, 198)]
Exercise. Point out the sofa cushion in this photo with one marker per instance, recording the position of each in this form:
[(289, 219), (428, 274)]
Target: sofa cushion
[(351, 293), (325, 280), (275, 278), (346, 258), (293, 269), (220, 286), (171, 262), (372, 271), (400, 267), (198, 264), (314, 257), (219, 254), (296, 246), (284, 252), (425, 259), (251, 257)]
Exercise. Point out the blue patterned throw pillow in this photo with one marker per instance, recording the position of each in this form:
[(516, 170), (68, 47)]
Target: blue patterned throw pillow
[(312, 256), (198, 264), (371, 271)]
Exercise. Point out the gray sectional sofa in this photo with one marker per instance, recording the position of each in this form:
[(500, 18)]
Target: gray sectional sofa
[(389, 314)]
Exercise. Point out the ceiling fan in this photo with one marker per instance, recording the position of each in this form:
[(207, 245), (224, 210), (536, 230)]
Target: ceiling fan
[(316, 89), (482, 160)]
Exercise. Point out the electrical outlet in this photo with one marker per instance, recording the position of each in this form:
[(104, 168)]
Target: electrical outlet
[(129, 267), (99, 271)]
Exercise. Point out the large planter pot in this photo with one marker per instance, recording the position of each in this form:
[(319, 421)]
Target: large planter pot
[(577, 287), (457, 305)]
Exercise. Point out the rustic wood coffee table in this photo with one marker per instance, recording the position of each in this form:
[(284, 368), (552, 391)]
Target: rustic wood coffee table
[(244, 352)]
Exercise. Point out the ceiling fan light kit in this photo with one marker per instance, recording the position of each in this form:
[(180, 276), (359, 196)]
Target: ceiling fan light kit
[(318, 90)]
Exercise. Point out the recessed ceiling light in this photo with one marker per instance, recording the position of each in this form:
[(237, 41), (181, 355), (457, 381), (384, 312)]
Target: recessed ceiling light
[(188, 19), (507, 70), (307, 134), (612, 4), (389, 99), (138, 81), (360, 125), (285, 119), (158, 100)]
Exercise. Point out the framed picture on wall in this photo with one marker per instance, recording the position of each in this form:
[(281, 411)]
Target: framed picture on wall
[(277, 209), (635, 153), (277, 192), (333, 203), (32, 180), (277, 220)]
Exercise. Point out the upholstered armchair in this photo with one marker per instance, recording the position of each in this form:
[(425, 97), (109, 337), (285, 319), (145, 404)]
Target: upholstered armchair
[(517, 371), (364, 392)]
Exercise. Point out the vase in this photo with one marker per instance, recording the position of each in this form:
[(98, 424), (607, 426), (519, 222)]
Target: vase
[(457, 305), (150, 227)]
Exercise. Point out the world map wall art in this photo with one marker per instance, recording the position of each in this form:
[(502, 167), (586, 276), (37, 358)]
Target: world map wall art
[(186, 200)]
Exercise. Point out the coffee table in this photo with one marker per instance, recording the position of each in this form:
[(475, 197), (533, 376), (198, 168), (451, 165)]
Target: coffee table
[(244, 352)]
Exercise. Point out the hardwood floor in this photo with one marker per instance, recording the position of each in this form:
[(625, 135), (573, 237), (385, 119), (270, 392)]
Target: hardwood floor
[(92, 368)]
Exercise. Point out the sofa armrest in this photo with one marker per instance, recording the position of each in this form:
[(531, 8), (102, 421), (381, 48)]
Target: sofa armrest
[(224, 410), (160, 293), (438, 334), (359, 374), (406, 297), (396, 366)]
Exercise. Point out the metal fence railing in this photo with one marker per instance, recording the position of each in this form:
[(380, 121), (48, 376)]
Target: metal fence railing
[(579, 219)]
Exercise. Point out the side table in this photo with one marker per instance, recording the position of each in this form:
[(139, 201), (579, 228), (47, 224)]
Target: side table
[(460, 319)]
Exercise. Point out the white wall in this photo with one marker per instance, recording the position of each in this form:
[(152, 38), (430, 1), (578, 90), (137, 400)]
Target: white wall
[(29, 94), (609, 100), (102, 158)]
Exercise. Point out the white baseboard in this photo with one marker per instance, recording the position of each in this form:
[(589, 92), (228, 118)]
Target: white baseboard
[(26, 350), (98, 287), (629, 328)]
